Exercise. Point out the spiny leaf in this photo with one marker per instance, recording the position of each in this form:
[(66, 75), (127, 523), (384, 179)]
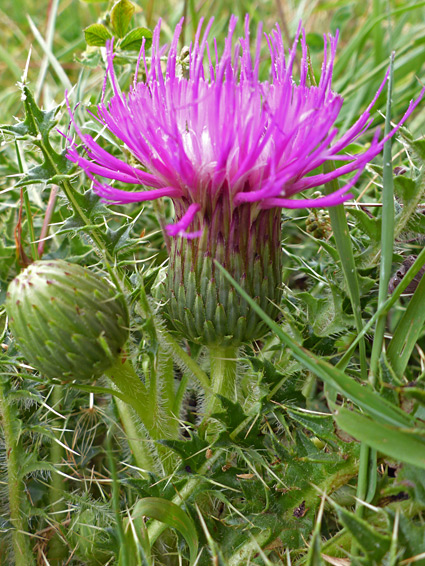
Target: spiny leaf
[(326, 315), (192, 452), (321, 425), (372, 543), (331, 375), (416, 223), (412, 479), (120, 239), (405, 188), (36, 121), (38, 125), (92, 206), (370, 226), (234, 418), (284, 387)]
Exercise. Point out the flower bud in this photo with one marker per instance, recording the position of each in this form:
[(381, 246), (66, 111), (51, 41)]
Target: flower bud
[(68, 322)]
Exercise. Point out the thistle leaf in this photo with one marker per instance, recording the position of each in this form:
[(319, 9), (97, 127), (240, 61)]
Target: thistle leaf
[(38, 125)]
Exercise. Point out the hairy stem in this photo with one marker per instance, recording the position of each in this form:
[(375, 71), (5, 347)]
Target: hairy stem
[(10, 424), (127, 381), (123, 553), (158, 423), (137, 440), (57, 548)]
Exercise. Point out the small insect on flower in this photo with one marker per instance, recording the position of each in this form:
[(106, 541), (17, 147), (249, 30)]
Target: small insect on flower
[(230, 151)]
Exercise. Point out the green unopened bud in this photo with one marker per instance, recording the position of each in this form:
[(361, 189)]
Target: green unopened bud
[(68, 322)]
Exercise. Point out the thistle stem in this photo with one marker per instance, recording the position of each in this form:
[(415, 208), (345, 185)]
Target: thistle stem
[(34, 253), (123, 553), (57, 547), (21, 542), (158, 423), (137, 439), (122, 374), (223, 360)]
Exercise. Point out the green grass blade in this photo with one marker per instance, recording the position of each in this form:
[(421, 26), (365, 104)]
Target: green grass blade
[(407, 331), (407, 279), (345, 250), (168, 512), (399, 444), (378, 37), (387, 237), (62, 76)]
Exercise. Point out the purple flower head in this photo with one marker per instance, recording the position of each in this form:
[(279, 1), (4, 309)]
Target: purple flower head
[(220, 134)]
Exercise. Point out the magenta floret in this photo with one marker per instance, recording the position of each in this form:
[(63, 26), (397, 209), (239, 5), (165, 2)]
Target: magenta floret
[(221, 133)]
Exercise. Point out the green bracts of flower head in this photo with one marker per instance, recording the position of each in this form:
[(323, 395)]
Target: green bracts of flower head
[(201, 304), (68, 322)]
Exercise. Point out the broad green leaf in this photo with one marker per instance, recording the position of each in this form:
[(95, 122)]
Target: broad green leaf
[(395, 442), (121, 15), (134, 39), (171, 514), (97, 35)]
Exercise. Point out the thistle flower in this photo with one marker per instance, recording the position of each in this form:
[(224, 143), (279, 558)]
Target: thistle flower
[(230, 151)]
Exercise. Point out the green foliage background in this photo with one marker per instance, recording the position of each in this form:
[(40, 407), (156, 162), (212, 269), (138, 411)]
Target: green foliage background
[(278, 485)]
